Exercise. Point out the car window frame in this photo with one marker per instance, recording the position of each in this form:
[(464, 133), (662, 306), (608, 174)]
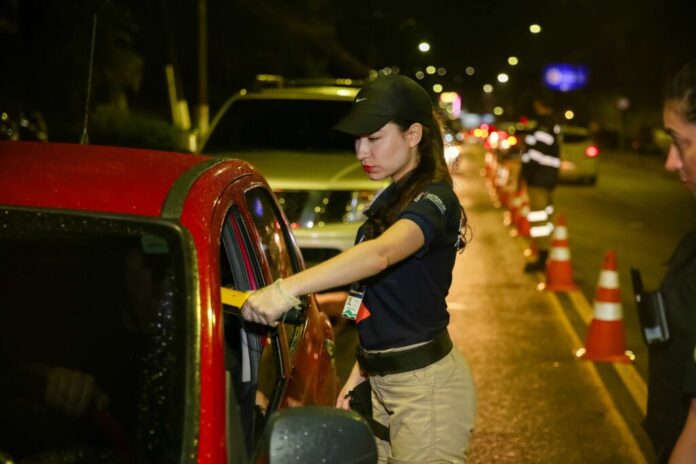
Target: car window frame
[(283, 342)]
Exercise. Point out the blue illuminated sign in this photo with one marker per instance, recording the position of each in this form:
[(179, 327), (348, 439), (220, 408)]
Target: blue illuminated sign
[(565, 77)]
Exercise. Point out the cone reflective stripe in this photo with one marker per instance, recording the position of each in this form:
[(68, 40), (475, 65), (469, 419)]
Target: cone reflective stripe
[(560, 254), (559, 270), (608, 311), (606, 337)]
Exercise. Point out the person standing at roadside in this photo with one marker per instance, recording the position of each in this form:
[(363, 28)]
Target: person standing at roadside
[(401, 271), (540, 165), (671, 414)]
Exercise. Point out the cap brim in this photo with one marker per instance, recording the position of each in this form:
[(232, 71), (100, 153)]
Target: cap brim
[(360, 123)]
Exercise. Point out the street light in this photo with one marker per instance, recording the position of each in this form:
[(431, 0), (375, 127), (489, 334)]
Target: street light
[(502, 78), (535, 28), (424, 47)]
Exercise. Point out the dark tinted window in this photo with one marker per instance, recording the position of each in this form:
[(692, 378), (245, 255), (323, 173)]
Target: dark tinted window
[(273, 233), (280, 124), (95, 307)]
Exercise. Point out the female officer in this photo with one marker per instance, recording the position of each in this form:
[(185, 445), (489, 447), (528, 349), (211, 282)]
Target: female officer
[(671, 414), (401, 270)]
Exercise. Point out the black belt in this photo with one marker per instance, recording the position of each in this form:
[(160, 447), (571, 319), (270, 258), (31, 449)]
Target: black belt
[(394, 362)]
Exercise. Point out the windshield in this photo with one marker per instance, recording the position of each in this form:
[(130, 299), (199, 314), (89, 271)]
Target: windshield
[(280, 124), (92, 330)]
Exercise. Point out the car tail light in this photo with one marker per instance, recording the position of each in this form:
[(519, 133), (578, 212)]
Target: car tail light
[(592, 151)]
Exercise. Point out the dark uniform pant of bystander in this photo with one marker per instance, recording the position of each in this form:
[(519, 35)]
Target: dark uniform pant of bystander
[(540, 216)]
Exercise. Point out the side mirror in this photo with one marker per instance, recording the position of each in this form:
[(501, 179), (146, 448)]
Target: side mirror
[(317, 434)]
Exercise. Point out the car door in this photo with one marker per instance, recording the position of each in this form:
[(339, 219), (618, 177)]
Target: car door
[(256, 248)]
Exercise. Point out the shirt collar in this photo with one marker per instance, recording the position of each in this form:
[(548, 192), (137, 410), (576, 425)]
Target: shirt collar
[(381, 200)]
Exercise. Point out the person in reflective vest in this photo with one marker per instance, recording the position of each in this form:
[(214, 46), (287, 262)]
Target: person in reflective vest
[(540, 165)]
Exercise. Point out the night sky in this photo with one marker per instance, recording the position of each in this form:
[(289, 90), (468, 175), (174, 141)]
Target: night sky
[(629, 47)]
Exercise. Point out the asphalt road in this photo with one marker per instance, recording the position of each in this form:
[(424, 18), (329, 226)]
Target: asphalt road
[(636, 209)]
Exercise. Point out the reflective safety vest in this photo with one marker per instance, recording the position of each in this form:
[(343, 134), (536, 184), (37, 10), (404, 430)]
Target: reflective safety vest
[(541, 160)]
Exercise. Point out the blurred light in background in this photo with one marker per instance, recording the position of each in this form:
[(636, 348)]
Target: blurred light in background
[(502, 78), (470, 71), (424, 47), (498, 110), (437, 88), (513, 61), (441, 71), (452, 103), (565, 77), (535, 28), (420, 74), (569, 115), (488, 88), (430, 69)]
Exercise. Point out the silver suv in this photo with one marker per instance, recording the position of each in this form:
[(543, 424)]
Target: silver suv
[(579, 155), (286, 133)]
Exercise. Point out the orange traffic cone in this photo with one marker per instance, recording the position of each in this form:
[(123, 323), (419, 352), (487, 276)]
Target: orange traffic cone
[(516, 205), (606, 338), (523, 227), (559, 271)]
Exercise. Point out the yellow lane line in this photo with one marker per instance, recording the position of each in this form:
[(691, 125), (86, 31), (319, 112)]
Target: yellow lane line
[(581, 305), (612, 411), (627, 372)]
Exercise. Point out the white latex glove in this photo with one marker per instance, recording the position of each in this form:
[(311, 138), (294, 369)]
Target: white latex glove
[(268, 304)]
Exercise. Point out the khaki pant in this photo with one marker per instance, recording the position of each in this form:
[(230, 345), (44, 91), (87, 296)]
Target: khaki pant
[(429, 412)]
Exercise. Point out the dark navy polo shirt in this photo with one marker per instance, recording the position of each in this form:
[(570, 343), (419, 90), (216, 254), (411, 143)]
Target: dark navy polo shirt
[(672, 366), (407, 300)]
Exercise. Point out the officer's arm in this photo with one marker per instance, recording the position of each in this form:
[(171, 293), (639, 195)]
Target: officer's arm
[(366, 259), (685, 449)]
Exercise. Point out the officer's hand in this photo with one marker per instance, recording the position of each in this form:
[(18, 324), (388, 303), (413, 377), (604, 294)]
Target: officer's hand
[(267, 305)]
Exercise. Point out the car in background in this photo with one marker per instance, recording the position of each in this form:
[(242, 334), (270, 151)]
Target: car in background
[(113, 261), (286, 133), (579, 155), (578, 152)]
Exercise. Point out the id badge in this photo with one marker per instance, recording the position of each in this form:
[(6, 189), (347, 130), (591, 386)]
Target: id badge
[(355, 297)]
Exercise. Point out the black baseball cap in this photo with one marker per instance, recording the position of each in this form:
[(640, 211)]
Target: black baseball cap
[(386, 99)]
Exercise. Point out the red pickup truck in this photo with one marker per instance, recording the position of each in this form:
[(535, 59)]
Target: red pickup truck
[(114, 343)]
